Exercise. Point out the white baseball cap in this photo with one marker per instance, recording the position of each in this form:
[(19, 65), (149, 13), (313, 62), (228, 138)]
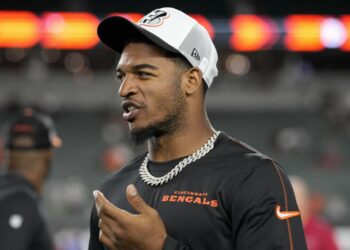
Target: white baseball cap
[(170, 29)]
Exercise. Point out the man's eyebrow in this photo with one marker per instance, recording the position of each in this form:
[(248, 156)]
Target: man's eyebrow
[(143, 66), (139, 67)]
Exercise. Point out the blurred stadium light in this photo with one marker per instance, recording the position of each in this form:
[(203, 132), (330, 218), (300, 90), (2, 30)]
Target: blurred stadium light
[(346, 21), (19, 29), (77, 30), (68, 30), (253, 33)]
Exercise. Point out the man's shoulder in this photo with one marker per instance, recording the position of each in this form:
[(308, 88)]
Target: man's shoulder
[(239, 153), (239, 160)]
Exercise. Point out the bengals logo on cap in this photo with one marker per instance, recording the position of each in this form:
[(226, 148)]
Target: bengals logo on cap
[(155, 18)]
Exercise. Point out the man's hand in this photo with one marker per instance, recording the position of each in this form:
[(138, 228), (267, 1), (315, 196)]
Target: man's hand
[(121, 230)]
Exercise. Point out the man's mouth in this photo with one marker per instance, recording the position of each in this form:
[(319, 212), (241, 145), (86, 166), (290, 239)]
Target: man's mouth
[(131, 109)]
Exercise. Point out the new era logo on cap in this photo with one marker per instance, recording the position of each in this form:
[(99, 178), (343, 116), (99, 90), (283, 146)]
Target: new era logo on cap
[(169, 29), (195, 54)]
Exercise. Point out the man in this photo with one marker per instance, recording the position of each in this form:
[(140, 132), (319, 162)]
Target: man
[(318, 232), (195, 188), (29, 144)]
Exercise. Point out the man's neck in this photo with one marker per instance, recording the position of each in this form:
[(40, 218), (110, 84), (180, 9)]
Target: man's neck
[(182, 143)]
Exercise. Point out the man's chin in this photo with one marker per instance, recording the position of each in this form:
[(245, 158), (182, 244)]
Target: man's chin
[(140, 135), (171, 123)]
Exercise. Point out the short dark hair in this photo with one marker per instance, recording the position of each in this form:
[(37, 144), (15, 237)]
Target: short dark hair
[(181, 62), (178, 59)]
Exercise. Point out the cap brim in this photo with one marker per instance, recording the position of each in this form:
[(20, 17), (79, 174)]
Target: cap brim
[(115, 32)]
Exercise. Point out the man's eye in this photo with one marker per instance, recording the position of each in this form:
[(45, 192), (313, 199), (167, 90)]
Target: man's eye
[(119, 76), (143, 74)]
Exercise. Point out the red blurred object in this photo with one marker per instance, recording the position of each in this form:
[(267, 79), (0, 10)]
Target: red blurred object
[(319, 234)]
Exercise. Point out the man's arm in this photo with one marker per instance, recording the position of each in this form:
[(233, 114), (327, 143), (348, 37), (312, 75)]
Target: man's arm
[(265, 212)]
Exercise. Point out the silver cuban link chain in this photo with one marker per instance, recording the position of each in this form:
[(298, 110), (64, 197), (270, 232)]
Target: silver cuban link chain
[(149, 179)]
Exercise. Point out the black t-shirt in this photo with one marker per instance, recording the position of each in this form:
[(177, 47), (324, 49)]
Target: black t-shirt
[(22, 218), (225, 200)]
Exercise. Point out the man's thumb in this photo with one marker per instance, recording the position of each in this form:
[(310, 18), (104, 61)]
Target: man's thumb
[(135, 199)]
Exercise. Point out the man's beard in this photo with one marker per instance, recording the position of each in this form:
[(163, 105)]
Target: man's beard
[(170, 124)]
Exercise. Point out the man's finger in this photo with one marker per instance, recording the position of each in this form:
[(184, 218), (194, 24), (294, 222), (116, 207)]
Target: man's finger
[(136, 200), (106, 209), (100, 200), (107, 241), (105, 229)]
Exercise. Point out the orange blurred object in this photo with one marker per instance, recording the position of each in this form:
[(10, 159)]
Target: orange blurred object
[(251, 33), (303, 32), (19, 29), (346, 21), (69, 30)]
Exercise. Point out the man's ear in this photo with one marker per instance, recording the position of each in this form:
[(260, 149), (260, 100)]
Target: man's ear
[(192, 80)]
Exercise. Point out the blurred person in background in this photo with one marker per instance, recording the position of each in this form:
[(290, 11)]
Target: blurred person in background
[(115, 156), (318, 232), (196, 188), (1, 154), (31, 137)]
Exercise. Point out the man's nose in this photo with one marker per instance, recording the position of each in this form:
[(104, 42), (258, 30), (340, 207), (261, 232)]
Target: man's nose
[(127, 87)]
